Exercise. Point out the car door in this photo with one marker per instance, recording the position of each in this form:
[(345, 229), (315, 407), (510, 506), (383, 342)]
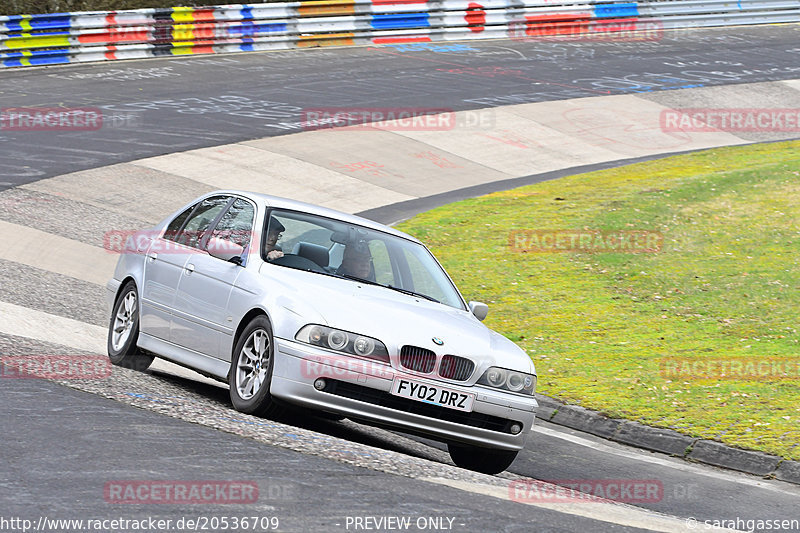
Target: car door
[(166, 258), (163, 265), (201, 320)]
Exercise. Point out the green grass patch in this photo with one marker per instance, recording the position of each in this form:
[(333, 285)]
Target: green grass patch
[(600, 326)]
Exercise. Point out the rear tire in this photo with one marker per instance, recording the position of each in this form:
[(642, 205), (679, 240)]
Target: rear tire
[(251, 370), (485, 460), (123, 331)]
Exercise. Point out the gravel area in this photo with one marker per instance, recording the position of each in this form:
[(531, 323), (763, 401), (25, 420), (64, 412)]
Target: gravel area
[(61, 216), (53, 293)]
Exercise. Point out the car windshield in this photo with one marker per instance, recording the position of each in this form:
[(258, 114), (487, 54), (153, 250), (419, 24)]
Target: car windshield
[(336, 248)]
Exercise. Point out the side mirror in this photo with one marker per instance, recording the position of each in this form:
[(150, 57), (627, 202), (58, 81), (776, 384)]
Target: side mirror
[(479, 309), (225, 250)]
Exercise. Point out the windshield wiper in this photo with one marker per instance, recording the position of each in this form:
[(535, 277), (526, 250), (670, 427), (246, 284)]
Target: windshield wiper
[(412, 293), (398, 289), (361, 280)]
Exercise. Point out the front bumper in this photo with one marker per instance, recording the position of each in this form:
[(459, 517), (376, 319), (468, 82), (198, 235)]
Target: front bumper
[(361, 391)]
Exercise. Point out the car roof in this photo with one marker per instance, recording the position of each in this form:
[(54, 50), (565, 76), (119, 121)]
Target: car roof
[(296, 205)]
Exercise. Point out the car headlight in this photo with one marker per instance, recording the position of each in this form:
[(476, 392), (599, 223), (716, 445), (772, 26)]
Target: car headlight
[(343, 341), (510, 380), (337, 340), (364, 345)]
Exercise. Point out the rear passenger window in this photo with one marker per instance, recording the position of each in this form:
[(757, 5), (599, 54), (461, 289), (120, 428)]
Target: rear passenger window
[(171, 233), (199, 222)]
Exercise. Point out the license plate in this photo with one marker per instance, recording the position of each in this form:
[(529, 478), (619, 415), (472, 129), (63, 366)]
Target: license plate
[(434, 395)]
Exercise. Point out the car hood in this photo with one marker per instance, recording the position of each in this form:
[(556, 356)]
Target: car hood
[(396, 319)]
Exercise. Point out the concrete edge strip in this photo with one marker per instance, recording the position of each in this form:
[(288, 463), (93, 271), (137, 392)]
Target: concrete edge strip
[(198, 164), (393, 214), (57, 254), (622, 514)]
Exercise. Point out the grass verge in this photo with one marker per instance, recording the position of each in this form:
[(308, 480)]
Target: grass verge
[(607, 330)]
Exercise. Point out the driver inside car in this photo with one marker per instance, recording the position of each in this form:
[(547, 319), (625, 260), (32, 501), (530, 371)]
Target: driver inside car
[(271, 248)]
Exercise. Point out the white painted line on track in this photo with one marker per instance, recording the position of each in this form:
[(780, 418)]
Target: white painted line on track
[(45, 327), (73, 334), (658, 459), (615, 513)]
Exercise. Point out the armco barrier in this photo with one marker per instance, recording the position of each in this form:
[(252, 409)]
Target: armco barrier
[(57, 38)]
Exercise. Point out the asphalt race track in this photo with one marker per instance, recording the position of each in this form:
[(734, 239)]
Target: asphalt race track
[(164, 106), (62, 445)]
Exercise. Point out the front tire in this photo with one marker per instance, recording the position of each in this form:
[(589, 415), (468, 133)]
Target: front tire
[(485, 460), (123, 331), (251, 370)]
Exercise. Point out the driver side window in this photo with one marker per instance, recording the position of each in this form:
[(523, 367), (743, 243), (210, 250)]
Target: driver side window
[(236, 224)]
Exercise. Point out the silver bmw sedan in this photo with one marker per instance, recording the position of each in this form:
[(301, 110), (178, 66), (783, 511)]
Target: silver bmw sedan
[(291, 303)]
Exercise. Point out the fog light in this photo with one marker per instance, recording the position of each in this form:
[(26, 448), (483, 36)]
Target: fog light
[(320, 385), (515, 428)]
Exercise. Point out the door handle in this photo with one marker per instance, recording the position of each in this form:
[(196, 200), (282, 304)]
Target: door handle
[(152, 256), (189, 268)]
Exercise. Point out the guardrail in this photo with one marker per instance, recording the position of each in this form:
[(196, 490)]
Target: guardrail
[(50, 39)]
